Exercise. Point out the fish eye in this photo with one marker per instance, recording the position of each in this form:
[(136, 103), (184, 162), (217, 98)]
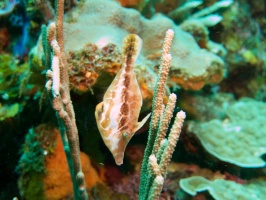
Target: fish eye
[(125, 134)]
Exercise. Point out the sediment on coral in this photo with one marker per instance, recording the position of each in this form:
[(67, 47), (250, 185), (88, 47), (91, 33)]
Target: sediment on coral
[(237, 139)]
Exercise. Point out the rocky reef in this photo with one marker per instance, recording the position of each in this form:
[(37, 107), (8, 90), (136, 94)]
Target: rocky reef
[(94, 39)]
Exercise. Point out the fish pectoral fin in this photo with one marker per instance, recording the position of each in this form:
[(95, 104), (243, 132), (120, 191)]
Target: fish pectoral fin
[(142, 122)]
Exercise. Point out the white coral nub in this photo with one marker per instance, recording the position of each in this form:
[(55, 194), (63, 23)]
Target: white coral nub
[(56, 76)]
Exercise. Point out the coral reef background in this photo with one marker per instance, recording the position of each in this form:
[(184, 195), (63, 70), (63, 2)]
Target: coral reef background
[(218, 72)]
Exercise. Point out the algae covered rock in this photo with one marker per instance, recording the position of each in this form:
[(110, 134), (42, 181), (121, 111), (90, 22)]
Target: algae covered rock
[(43, 168), (96, 26), (240, 138), (192, 67), (7, 111)]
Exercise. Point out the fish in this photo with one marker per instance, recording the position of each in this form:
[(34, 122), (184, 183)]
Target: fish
[(117, 115)]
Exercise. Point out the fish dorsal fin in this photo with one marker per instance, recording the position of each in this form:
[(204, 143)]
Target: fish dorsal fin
[(132, 45)]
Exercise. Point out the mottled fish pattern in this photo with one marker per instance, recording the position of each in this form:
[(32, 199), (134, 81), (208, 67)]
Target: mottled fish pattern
[(117, 115)]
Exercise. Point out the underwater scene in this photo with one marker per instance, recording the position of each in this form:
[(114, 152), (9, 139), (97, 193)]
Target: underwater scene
[(132, 100)]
